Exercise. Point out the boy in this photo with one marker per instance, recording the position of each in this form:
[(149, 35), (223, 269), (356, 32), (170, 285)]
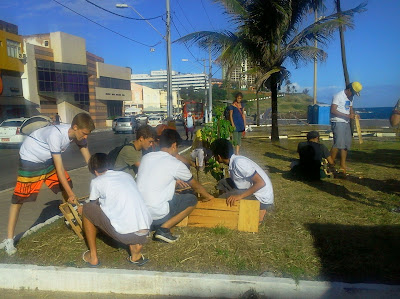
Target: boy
[(40, 161), (238, 120), (247, 179), (128, 159), (117, 208), (156, 181)]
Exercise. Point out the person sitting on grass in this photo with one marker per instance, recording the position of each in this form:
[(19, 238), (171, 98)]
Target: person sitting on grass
[(128, 159), (115, 207), (156, 181), (311, 155), (247, 179)]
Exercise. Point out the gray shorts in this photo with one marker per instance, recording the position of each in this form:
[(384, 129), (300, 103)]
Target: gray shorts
[(228, 187), (177, 204), (237, 138), (95, 215), (341, 135)]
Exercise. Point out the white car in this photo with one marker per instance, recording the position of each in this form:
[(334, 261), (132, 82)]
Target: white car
[(154, 121), (10, 131)]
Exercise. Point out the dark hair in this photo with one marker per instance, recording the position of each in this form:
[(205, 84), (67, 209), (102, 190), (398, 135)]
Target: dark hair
[(223, 148), (98, 162), (312, 135), (83, 121), (238, 94), (169, 137), (145, 131)]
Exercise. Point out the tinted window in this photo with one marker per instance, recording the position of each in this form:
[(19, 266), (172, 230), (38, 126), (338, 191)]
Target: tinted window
[(11, 123), (124, 120)]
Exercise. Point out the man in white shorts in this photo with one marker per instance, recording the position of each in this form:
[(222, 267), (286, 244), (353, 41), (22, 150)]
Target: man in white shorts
[(341, 113), (156, 180), (247, 180), (115, 207)]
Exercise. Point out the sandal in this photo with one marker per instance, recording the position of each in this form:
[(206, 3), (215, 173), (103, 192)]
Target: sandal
[(140, 262)]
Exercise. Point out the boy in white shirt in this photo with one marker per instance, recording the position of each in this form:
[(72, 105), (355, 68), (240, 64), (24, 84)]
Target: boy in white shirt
[(117, 208), (40, 162), (247, 179), (156, 180)]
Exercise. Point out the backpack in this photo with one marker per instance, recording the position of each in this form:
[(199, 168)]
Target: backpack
[(227, 113), (113, 154)]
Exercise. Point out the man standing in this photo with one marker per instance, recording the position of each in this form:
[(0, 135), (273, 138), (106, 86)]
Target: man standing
[(156, 181), (341, 113), (40, 162), (189, 126)]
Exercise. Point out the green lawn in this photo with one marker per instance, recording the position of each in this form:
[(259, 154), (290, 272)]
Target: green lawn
[(336, 229)]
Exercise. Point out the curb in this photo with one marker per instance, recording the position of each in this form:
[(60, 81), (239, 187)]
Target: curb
[(178, 284)]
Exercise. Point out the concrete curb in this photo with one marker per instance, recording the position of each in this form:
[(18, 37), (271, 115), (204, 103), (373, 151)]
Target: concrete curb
[(179, 284)]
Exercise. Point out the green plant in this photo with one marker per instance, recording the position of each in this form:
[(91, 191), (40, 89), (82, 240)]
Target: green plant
[(215, 169), (220, 230)]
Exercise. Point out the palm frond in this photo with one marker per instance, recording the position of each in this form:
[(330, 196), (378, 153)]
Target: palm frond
[(236, 8)]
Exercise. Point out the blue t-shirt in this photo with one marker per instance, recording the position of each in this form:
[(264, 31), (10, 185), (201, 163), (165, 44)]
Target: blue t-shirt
[(238, 118)]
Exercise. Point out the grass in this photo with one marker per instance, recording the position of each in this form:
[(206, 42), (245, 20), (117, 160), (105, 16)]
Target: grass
[(341, 230)]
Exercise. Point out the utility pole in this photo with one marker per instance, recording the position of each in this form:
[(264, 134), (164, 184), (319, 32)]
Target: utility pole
[(205, 92), (169, 69), (315, 63), (209, 86)]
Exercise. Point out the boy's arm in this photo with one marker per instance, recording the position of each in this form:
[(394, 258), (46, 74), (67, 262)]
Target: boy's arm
[(62, 178), (258, 183), (231, 118), (200, 189), (85, 153)]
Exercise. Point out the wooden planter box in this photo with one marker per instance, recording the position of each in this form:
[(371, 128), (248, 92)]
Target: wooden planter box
[(242, 217)]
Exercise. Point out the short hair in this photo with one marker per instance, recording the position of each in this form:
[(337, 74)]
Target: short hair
[(169, 137), (145, 131), (222, 147), (98, 162), (238, 94), (83, 121)]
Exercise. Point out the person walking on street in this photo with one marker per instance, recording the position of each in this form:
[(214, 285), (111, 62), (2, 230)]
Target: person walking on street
[(189, 126), (341, 113), (57, 119), (238, 121)]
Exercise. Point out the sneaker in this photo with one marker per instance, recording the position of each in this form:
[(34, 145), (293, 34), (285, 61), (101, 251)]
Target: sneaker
[(9, 246), (164, 234)]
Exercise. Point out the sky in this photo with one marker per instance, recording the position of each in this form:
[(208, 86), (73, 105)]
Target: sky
[(372, 46)]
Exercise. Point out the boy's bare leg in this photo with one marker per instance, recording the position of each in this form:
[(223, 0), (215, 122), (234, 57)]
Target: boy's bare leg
[(135, 251), (15, 208), (237, 147), (90, 234), (261, 216), (334, 152), (177, 218), (343, 156)]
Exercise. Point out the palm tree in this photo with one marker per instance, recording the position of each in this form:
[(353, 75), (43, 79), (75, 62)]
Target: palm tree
[(342, 46), (267, 35)]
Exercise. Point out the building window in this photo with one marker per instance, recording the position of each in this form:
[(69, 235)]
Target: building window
[(46, 43), (13, 48), (107, 82)]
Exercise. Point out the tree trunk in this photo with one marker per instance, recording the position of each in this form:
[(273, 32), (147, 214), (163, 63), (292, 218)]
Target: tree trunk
[(274, 106), (258, 110), (342, 47)]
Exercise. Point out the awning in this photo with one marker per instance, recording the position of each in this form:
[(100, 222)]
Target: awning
[(16, 101)]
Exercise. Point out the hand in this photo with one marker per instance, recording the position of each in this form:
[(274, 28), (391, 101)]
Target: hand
[(80, 209), (72, 198), (207, 199), (352, 115), (230, 201), (243, 133), (182, 184)]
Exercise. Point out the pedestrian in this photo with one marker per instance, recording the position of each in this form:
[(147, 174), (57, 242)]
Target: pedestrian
[(238, 121), (116, 208), (341, 113), (40, 162), (189, 126), (57, 119)]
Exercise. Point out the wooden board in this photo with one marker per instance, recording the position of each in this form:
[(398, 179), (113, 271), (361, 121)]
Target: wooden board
[(248, 215), (358, 127), (73, 218), (217, 204), (213, 218)]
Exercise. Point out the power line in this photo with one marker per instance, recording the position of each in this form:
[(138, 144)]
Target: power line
[(176, 16), (135, 41), (111, 12), (202, 3), (184, 14)]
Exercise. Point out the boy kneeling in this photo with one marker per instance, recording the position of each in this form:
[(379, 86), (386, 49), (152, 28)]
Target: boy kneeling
[(247, 179), (117, 208)]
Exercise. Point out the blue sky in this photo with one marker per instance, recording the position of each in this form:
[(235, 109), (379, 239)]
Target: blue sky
[(372, 46)]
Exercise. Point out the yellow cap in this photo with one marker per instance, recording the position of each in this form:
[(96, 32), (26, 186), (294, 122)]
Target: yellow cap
[(356, 87)]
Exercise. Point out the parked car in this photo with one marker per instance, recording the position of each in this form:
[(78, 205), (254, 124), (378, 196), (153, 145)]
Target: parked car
[(125, 125), (154, 121), (114, 123), (141, 119), (10, 131)]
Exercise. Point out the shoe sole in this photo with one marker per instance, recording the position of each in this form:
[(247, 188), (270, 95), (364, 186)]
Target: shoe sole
[(162, 238)]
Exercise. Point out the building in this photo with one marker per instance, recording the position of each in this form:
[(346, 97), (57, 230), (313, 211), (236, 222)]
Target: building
[(12, 101), (158, 80), (62, 77), (240, 76)]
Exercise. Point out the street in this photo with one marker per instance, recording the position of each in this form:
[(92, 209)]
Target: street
[(99, 142)]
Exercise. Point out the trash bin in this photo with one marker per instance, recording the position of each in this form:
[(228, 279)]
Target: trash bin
[(319, 114)]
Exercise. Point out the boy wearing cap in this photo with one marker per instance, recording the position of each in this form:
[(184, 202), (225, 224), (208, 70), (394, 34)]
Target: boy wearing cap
[(341, 113), (311, 154)]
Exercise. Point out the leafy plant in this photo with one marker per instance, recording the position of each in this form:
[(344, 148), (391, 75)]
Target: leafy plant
[(215, 169)]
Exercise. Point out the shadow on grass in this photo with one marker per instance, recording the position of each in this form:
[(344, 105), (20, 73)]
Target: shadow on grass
[(381, 157), (351, 253), (280, 157), (388, 186)]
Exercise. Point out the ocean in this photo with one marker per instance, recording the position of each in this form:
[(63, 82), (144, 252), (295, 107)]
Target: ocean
[(374, 113)]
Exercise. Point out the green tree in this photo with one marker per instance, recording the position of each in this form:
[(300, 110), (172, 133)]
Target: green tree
[(268, 34)]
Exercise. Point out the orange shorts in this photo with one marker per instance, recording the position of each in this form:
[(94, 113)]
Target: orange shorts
[(31, 177)]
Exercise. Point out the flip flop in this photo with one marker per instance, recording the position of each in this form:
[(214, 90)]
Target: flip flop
[(87, 263), (140, 262)]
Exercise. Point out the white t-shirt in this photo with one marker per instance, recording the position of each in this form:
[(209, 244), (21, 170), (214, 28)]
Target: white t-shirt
[(121, 201), (189, 121), (343, 105), (40, 144), (242, 169), (156, 179)]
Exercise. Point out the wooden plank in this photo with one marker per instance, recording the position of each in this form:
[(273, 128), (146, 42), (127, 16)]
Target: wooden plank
[(184, 222), (66, 209), (217, 204), (248, 215), (357, 119), (216, 218)]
